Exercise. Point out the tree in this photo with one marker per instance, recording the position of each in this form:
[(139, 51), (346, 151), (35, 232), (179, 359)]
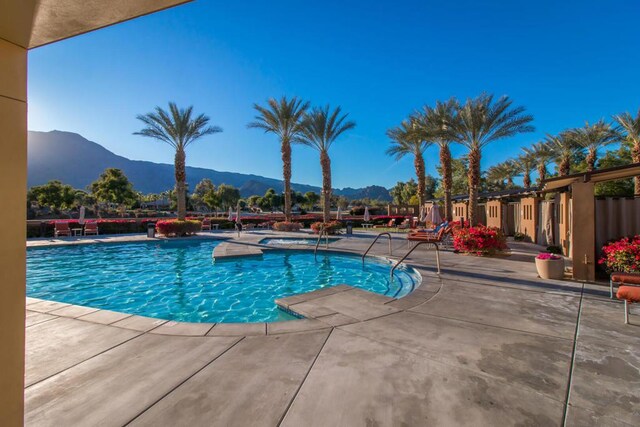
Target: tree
[(202, 188), (54, 195), (413, 139), (212, 200), (403, 192), (437, 124), (431, 184), (542, 155), (311, 199), (282, 118), (619, 187), (113, 186), (178, 129), (629, 130), (481, 121), (228, 196), (563, 150), (593, 137), (272, 200), (459, 178), (320, 129), (526, 163)]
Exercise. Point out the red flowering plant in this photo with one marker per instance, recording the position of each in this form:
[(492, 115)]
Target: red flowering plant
[(479, 240), (622, 255), (178, 228), (547, 256), (330, 227), (287, 226)]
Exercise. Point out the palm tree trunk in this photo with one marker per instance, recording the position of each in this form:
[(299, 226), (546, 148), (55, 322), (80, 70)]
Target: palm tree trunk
[(447, 179), (418, 163), (526, 179), (542, 172), (286, 176), (565, 166), (325, 163), (474, 183), (181, 177), (510, 182), (635, 156), (591, 160)]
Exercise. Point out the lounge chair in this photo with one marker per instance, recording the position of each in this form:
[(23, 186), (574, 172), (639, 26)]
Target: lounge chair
[(91, 228), (390, 224), (404, 225), (61, 229), (206, 224), (249, 226)]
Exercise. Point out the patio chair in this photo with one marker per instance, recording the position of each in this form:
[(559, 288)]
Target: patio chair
[(206, 224), (404, 225), (91, 228), (628, 289), (61, 229)]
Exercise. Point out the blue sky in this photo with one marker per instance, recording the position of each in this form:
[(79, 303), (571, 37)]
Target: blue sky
[(567, 62)]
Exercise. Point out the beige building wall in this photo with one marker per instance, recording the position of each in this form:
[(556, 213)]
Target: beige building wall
[(13, 185), (583, 231), (460, 210), (494, 214), (529, 217)]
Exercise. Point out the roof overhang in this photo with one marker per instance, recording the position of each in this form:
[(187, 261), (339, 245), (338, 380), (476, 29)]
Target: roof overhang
[(601, 175), (34, 23)]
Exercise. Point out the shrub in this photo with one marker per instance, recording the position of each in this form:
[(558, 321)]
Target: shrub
[(519, 237), (178, 228), (479, 240), (622, 255), (553, 249), (287, 226), (332, 227)]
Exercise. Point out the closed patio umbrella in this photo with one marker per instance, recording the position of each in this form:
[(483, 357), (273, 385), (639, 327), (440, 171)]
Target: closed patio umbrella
[(338, 214), (230, 218), (367, 217), (434, 215), (238, 219), (423, 214), (81, 216)]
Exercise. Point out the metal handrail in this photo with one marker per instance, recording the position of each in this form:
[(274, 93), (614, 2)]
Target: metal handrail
[(374, 242), (413, 248), (322, 231)]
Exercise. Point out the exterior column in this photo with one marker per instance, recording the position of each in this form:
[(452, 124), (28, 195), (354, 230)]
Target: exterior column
[(583, 231), (563, 222), (13, 187)]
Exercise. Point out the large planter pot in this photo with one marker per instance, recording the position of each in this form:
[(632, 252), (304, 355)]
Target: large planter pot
[(550, 268)]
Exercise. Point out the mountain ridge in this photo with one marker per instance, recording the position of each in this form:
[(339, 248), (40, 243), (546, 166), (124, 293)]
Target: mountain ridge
[(51, 153)]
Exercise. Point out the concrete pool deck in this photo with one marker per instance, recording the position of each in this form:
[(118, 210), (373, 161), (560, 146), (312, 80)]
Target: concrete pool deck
[(484, 343)]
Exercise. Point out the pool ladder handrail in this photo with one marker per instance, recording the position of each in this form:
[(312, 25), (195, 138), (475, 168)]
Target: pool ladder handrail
[(413, 248), (320, 234), (374, 242)]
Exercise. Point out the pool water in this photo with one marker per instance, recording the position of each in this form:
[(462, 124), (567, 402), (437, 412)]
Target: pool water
[(179, 280), (283, 241)]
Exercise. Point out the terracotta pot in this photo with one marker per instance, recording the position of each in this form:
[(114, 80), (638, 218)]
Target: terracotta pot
[(550, 268)]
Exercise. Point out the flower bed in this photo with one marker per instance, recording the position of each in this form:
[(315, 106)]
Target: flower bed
[(622, 255), (332, 227), (286, 226), (547, 256), (176, 228), (479, 240)]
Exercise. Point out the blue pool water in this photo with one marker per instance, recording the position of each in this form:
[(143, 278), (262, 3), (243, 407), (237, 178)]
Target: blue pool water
[(178, 280), (283, 241)]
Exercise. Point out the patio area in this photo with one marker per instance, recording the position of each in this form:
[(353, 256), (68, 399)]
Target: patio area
[(484, 343)]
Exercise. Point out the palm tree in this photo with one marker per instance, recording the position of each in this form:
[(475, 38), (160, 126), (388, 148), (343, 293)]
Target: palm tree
[(408, 138), (526, 163), (179, 129), (480, 122), (629, 130), (437, 123), (542, 154), (320, 128), (497, 174), (562, 148), (282, 118), (593, 137)]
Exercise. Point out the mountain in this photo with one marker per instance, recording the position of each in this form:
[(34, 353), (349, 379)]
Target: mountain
[(76, 161)]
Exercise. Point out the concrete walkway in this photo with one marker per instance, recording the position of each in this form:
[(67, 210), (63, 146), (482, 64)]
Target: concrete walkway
[(484, 343)]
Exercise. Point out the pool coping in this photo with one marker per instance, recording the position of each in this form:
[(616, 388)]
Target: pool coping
[(296, 304)]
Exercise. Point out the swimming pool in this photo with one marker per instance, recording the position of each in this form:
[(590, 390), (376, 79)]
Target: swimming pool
[(284, 241), (179, 280)]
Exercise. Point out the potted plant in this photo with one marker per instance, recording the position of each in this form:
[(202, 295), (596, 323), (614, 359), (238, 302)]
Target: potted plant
[(550, 266)]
